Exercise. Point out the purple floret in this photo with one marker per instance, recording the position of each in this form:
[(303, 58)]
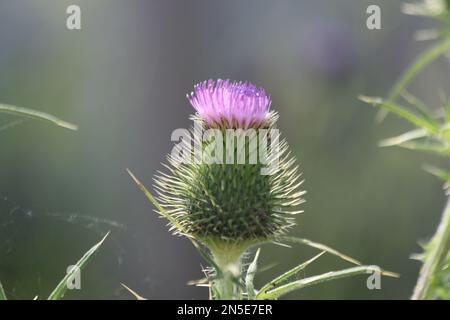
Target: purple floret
[(235, 104)]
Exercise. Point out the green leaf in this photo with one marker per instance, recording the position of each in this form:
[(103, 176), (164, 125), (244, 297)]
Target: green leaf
[(436, 251), (417, 66), (442, 174), (404, 137), (400, 111), (420, 106), (250, 276), (136, 295), (316, 245), (61, 288), (435, 148), (24, 112), (441, 283), (285, 276), (2, 293), (331, 251), (300, 284)]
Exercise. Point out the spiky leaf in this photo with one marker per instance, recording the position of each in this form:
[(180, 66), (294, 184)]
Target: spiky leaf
[(24, 112)]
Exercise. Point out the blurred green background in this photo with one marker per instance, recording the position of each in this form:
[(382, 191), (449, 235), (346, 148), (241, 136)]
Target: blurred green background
[(123, 77)]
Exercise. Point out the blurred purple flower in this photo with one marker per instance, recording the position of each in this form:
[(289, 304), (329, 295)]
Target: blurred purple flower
[(230, 103), (329, 48)]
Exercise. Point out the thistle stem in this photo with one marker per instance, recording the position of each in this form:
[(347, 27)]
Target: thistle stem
[(436, 251), (226, 289), (228, 259)]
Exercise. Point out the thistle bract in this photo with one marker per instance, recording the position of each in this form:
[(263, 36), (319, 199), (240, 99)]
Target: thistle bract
[(245, 186)]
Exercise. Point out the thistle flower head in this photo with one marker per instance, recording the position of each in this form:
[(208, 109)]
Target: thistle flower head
[(230, 103), (219, 203)]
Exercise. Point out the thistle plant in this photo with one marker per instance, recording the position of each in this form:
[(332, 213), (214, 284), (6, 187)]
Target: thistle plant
[(431, 135), (237, 188), (34, 114), (229, 206)]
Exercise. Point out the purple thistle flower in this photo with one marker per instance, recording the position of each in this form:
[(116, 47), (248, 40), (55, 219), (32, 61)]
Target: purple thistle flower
[(230, 103)]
